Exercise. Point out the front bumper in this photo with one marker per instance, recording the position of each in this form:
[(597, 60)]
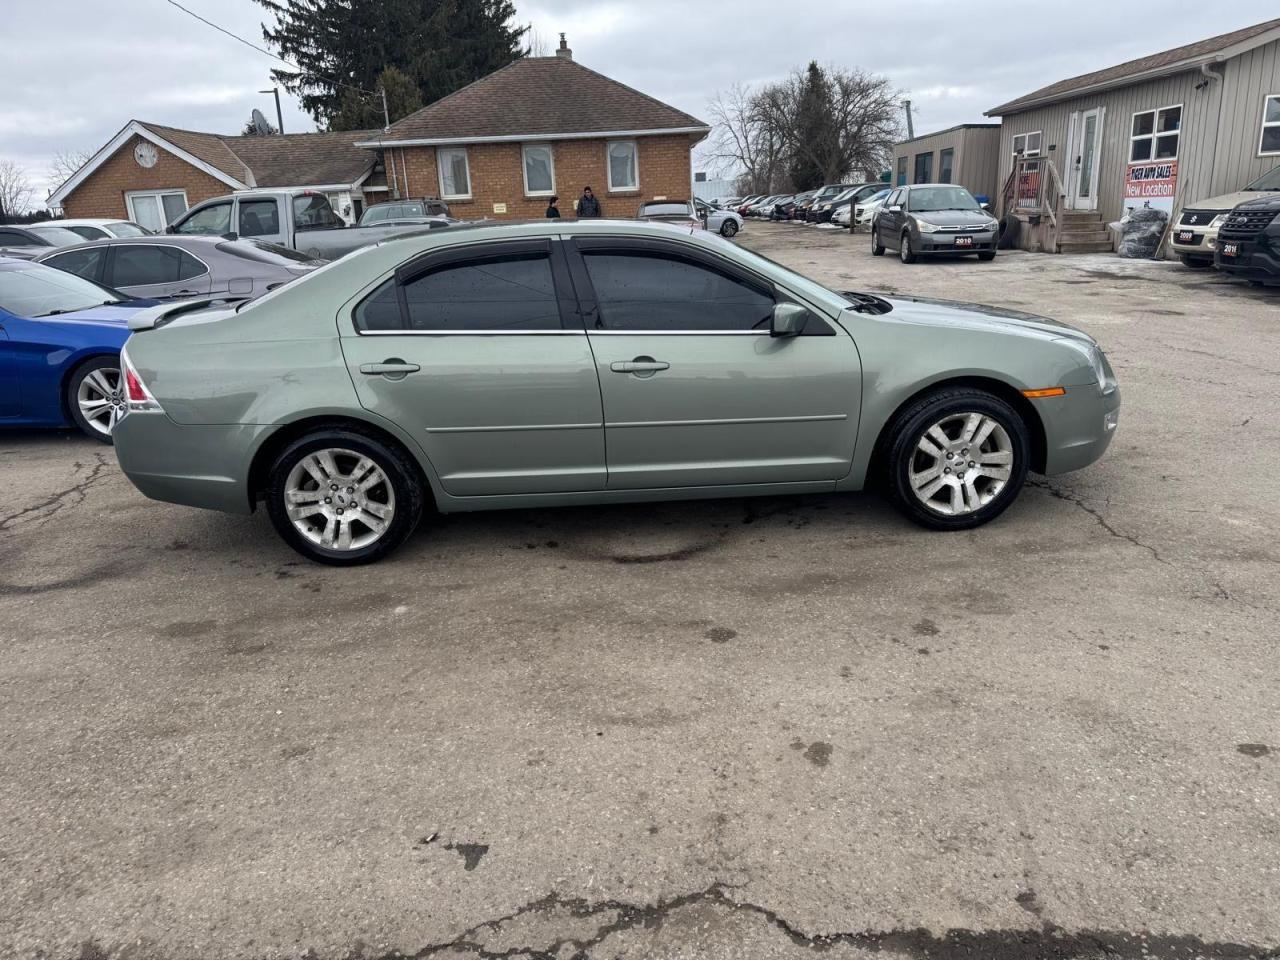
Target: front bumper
[(1202, 243), (196, 466), (946, 242), (1078, 427), (1257, 260)]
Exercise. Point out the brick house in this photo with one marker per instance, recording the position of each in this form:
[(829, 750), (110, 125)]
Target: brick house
[(499, 147), (503, 145), (151, 173)]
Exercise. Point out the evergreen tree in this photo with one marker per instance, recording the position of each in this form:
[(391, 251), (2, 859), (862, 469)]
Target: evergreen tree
[(813, 119), (358, 111), (440, 45)]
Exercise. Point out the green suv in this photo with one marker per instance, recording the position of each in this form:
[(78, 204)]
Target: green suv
[(561, 363)]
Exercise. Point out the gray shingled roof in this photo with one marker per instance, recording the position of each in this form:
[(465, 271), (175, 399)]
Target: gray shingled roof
[(539, 96), (1170, 61)]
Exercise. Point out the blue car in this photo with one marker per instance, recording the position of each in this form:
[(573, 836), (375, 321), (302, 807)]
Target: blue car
[(60, 340)]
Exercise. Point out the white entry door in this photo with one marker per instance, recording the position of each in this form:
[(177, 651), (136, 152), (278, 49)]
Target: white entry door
[(1085, 153)]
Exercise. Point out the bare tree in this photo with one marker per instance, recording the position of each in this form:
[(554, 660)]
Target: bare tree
[(745, 141), (65, 163), (538, 45), (15, 190)]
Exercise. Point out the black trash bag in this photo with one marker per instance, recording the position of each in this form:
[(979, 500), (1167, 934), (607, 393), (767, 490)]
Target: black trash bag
[(1140, 233)]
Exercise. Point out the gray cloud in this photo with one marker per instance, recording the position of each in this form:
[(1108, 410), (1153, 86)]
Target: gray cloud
[(75, 71)]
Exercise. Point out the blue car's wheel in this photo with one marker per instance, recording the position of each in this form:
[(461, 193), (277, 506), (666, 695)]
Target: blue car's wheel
[(95, 397)]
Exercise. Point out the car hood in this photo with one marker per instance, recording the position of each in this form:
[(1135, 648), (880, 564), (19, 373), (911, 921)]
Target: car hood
[(1265, 201), (953, 218), (977, 316), (1228, 200)]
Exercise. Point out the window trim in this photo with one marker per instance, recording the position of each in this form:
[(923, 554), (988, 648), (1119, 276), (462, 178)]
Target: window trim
[(130, 194), (608, 167), (466, 156), (915, 167), (1155, 133), (524, 169), (1025, 137), (1265, 125)]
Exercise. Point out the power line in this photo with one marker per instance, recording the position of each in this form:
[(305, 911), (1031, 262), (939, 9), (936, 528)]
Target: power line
[(274, 56)]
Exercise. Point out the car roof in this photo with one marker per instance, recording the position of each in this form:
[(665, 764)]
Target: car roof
[(89, 221)]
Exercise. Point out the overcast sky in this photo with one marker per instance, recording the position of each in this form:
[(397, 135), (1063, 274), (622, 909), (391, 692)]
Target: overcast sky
[(75, 71)]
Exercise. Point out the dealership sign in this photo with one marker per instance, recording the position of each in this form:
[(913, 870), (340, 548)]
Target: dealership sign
[(1151, 184)]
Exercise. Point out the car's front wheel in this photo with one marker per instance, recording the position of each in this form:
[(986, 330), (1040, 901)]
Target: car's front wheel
[(877, 248), (957, 458), (905, 253), (343, 497), (95, 397), (729, 228)]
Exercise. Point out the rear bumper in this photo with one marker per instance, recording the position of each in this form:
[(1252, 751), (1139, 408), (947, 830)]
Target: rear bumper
[(196, 466), (1078, 427)]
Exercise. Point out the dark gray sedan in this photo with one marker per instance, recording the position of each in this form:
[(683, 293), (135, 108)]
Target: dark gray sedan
[(926, 219), (164, 267)]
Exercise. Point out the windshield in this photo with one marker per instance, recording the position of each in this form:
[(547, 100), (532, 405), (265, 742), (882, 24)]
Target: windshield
[(1268, 181), (34, 290), (58, 236), (260, 251), (123, 228), (929, 199)]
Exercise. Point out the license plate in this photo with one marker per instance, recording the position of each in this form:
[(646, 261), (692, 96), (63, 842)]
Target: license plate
[(1185, 236), (1230, 249), (964, 241)]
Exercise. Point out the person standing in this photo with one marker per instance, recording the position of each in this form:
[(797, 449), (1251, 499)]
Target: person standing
[(588, 205), (553, 212)]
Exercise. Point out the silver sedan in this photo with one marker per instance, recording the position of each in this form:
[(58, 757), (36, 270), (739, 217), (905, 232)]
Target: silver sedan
[(727, 223), (163, 267)]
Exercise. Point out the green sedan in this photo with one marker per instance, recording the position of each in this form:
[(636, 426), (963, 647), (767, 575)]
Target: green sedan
[(548, 364)]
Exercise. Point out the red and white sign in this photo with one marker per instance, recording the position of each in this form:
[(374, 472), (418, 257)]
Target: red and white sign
[(1151, 184)]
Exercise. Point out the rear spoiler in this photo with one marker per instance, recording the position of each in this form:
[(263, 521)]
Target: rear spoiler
[(158, 316)]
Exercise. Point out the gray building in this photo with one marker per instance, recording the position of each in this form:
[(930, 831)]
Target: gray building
[(1161, 131), (967, 154)]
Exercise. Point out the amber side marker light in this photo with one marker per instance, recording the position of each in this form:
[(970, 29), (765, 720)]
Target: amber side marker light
[(1046, 392)]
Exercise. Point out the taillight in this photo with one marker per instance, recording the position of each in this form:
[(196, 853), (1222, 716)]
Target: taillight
[(137, 395)]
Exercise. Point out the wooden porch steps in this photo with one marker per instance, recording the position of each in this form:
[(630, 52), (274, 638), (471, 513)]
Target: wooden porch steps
[(1083, 232)]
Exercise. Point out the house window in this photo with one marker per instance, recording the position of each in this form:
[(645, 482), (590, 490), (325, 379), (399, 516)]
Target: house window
[(1027, 144), (1270, 142), (155, 209), (455, 175), (1154, 134), (539, 171), (946, 161), (902, 172), (924, 168), (624, 173)]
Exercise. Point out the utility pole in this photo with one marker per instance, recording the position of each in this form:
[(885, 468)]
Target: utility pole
[(911, 130), (275, 91)]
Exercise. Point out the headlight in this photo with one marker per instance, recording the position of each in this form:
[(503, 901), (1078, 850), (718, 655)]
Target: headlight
[(1098, 361), (992, 225), (1218, 221), (925, 226)]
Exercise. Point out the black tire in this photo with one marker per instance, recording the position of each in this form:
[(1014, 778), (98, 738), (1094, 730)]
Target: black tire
[(877, 248), (401, 475), (729, 228), (905, 253), (986, 256), (1195, 263), (910, 427), (1009, 229), (108, 368)]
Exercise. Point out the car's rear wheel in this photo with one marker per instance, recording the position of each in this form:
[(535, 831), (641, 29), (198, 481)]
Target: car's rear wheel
[(905, 253), (343, 497), (95, 397), (877, 248), (729, 228), (957, 458)]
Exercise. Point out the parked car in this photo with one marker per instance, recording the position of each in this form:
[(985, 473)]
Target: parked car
[(724, 222), (1194, 239), (27, 242), (677, 213), (759, 205), (104, 229), (60, 340), (823, 212), (428, 379), (302, 220), (866, 209), (421, 208), (825, 197), (747, 202), (163, 268), (1248, 244), (791, 208), (926, 219)]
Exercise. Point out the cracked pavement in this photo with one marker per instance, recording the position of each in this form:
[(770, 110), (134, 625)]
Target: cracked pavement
[(728, 729)]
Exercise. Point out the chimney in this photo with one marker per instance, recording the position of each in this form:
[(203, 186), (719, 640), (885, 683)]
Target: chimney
[(564, 50)]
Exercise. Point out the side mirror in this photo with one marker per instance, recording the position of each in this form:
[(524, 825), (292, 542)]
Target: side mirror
[(789, 320)]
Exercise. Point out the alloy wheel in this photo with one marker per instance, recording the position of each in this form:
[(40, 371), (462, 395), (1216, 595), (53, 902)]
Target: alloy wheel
[(339, 499), (961, 464), (100, 399)]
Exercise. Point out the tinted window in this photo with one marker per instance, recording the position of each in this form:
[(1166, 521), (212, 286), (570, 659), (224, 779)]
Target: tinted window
[(83, 263), (656, 291), (259, 218), (137, 264), (90, 233), (11, 238), (34, 290), (380, 310), (207, 220), (512, 292), (58, 236)]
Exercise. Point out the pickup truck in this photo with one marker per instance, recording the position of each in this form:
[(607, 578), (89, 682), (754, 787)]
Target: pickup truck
[(300, 219)]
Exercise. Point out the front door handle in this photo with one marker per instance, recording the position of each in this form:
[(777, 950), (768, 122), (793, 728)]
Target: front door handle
[(639, 365), (393, 368)]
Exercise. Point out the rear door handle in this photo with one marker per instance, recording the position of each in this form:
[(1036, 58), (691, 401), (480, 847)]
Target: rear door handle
[(638, 366), (391, 367)]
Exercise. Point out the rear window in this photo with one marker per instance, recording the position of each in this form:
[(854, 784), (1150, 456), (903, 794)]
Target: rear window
[(260, 251), (58, 236), (123, 228), (664, 210)]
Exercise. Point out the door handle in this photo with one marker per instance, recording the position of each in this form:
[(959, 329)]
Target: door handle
[(392, 367), (639, 365)]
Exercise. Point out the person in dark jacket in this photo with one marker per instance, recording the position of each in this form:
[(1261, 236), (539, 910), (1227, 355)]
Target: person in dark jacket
[(588, 205), (553, 212)]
